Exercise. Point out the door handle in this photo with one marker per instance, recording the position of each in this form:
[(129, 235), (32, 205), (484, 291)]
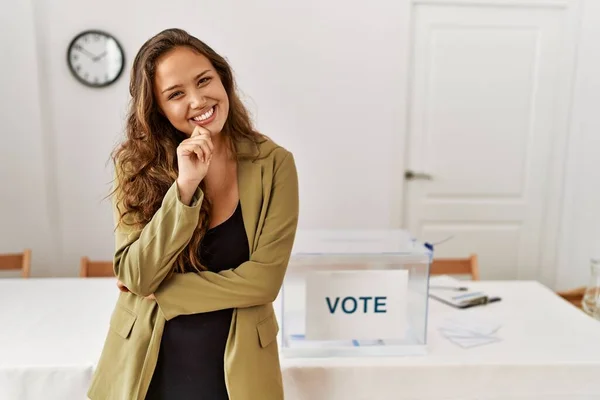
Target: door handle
[(411, 175)]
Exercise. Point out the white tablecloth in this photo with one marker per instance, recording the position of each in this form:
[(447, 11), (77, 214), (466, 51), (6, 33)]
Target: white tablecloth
[(51, 335), (549, 350), (52, 331)]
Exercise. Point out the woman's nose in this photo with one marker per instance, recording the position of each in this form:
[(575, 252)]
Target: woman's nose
[(197, 100)]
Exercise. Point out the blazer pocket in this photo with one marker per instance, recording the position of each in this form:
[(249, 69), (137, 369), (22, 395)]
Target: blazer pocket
[(267, 330), (121, 321)]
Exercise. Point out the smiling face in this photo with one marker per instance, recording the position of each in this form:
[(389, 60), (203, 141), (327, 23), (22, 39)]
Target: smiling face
[(189, 91)]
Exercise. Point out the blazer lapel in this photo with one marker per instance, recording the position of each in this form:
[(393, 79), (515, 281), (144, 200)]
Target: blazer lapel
[(250, 189)]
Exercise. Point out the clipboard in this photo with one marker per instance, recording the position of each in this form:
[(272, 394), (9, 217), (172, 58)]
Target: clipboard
[(455, 293)]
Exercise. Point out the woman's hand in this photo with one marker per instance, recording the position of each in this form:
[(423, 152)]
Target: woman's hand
[(124, 289), (193, 157)]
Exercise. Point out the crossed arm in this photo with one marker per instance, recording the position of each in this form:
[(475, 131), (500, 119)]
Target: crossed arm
[(254, 282)]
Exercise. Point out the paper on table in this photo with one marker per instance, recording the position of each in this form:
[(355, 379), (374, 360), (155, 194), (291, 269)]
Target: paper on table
[(469, 331), (469, 323), (473, 342)]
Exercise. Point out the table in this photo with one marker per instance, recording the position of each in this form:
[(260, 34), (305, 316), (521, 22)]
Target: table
[(52, 331), (549, 350), (51, 334)]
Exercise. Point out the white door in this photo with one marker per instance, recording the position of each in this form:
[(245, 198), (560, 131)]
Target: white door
[(485, 114)]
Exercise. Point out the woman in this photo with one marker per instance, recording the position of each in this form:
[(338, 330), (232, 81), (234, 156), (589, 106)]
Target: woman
[(206, 212)]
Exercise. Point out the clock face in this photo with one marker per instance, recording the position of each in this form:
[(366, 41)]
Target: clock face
[(95, 58)]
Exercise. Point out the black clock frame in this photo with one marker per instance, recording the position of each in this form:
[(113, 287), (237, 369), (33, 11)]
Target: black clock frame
[(74, 73)]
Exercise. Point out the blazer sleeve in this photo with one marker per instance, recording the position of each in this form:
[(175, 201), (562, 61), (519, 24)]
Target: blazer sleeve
[(254, 282), (144, 257)]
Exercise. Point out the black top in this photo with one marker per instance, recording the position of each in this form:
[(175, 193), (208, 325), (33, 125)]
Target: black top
[(190, 362)]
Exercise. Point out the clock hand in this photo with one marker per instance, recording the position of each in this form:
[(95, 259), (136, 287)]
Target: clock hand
[(98, 57), (84, 51)]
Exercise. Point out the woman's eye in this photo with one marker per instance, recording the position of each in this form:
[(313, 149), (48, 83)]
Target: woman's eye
[(173, 95), (202, 81)]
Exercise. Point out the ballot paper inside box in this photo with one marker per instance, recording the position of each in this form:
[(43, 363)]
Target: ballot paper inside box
[(353, 293)]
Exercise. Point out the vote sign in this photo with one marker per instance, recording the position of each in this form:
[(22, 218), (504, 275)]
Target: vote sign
[(361, 305)]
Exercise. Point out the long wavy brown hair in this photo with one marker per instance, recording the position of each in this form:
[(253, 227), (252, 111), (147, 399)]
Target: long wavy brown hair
[(146, 161)]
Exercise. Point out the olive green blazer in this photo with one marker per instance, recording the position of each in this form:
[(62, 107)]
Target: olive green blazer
[(268, 187)]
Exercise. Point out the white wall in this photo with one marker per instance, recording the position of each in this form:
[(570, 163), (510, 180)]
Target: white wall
[(324, 80), (24, 206), (580, 238)]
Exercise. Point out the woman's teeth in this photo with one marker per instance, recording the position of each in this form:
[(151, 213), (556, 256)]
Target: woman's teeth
[(204, 116)]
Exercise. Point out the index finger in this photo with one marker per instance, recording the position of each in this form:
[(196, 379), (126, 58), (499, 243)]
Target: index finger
[(199, 131)]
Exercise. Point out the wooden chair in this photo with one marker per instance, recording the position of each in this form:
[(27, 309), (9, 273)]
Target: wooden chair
[(456, 266), (17, 261), (573, 296), (95, 269)]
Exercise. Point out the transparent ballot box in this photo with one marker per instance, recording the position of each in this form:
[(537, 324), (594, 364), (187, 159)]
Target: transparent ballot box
[(355, 293)]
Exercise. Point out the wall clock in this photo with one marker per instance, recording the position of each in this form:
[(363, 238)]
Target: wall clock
[(95, 58)]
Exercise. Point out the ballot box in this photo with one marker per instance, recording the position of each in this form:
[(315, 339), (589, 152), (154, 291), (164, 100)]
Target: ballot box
[(355, 293)]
